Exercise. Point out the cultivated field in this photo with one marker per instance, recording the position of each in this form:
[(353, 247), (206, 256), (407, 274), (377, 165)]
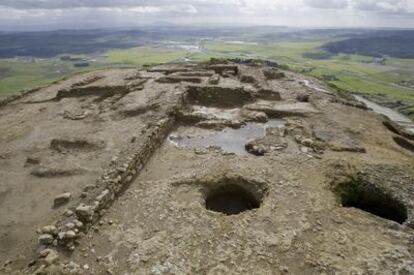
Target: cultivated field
[(388, 82)]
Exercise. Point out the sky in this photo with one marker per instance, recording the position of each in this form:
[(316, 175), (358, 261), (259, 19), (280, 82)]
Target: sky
[(134, 13)]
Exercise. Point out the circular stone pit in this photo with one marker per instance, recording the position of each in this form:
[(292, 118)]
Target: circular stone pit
[(232, 197), (231, 200), (369, 198)]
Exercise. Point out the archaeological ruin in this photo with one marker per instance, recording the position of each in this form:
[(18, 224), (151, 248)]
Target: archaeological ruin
[(206, 168)]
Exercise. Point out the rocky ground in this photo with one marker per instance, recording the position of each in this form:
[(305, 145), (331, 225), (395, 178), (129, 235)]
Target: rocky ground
[(212, 168)]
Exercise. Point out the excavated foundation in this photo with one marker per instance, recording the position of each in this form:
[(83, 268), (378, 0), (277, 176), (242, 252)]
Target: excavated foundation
[(369, 198), (404, 143), (231, 199), (212, 168), (219, 96)]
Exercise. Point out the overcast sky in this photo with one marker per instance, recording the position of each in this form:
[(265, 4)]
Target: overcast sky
[(308, 13)]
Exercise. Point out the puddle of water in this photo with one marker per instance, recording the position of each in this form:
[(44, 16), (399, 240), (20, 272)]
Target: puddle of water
[(390, 113), (229, 140)]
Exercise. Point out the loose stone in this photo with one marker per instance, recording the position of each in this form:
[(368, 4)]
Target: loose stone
[(45, 239), (62, 199)]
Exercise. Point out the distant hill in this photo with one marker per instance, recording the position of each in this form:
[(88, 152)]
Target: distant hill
[(45, 44), (392, 43), (52, 43)]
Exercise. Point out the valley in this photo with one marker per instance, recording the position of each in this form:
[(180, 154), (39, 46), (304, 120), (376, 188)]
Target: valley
[(385, 81)]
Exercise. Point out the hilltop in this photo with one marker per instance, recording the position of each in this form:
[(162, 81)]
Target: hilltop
[(218, 167)]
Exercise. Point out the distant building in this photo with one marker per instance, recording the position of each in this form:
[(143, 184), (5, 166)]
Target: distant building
[(379, 60)]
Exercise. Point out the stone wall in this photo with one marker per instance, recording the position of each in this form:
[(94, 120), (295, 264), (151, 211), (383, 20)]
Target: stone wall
[(9, 99), (122, 171)]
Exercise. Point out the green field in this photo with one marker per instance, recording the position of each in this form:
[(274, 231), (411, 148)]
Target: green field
[(18, 74), (144, 55), (353, 73)]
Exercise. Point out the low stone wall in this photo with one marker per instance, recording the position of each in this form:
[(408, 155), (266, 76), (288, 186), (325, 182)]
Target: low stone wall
[(222, 69), (220, 96), (398, 129), (179, 79), (8, 99), (102, 91), (65, 232)]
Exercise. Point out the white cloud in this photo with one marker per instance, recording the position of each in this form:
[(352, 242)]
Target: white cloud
[(385, 6), (144, 9), (329, 13), (327, 4)]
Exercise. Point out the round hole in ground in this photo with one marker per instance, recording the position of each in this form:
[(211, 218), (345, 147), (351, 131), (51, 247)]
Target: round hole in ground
[(371, 199), (231, 199)]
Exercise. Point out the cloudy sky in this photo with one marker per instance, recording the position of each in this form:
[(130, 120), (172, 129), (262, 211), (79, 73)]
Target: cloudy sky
[(106, 13)]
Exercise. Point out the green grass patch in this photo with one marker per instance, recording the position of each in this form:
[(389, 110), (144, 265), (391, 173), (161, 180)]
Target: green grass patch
[(394, 76), (354, 84), (144, 55), (199, 56), (350, 72), (17, 75), (25, 74)]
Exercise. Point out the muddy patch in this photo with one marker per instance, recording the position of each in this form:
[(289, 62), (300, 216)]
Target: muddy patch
[(229, 140)]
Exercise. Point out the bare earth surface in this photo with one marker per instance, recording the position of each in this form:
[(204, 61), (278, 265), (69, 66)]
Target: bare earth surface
[(213, 168)]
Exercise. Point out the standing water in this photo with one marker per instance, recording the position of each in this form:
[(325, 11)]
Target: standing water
[(390, 113), (229, 140)]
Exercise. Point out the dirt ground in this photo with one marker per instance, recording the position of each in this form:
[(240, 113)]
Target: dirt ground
[(215, 168), (51, 146)]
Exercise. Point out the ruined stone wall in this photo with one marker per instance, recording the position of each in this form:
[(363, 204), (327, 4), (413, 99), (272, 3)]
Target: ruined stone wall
[(311, 124), (121, 172), (9, 99)]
